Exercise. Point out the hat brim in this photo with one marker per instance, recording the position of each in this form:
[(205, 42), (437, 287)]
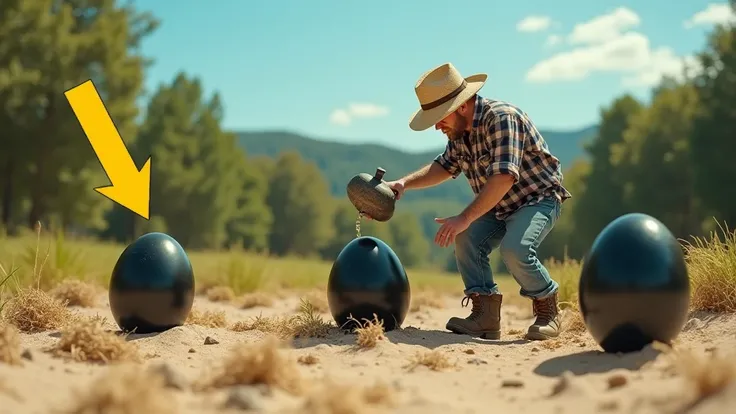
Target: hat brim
[(422, 119)]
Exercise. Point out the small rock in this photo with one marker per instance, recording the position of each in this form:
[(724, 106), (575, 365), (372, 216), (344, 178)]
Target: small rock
[(244, 398), (27, 355), (192, 350), (469, 351), (477, 361), (172, 378), (535, 349), (616, 381), (512, 383), (210, 341)]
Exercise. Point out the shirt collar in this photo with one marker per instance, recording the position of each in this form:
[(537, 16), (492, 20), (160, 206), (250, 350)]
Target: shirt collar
[(478, 111)]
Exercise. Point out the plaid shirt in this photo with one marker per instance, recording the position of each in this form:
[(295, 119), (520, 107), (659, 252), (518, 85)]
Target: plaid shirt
[(503, 140)]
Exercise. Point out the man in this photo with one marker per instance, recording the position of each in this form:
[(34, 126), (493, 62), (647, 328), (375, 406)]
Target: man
[(519, 193)]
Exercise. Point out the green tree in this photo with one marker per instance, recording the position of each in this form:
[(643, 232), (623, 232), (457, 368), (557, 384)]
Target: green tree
[(301, 206), (408, 240), (602, 200), (343, 223), (194, 175), (712, 142), (654, 158), (251, 222), (47, 47)]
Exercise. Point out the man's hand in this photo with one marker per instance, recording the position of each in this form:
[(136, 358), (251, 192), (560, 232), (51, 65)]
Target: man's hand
[(451, 227), (398, 188)]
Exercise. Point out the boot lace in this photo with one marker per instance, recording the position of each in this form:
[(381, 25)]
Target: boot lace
[(545, 310), (477, 308)]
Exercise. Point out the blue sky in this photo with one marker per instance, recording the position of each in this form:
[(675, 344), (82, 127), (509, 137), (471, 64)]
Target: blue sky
[(290, 65)]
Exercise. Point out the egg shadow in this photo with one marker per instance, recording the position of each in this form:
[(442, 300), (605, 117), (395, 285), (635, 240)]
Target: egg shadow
[(588, 362)]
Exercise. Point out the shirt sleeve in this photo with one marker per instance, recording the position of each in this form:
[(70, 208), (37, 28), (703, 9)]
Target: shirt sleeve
[(449, 161), (505, 136)]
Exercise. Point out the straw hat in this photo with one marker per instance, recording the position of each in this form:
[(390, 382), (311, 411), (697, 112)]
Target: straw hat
[(440, 92)]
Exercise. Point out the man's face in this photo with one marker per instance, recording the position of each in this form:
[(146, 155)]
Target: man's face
[(453, 126)]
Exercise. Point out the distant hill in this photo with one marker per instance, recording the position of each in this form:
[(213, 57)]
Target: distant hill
[(339, 162)]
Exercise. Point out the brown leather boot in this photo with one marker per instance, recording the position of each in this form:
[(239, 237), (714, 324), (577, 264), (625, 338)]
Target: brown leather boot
[(548, 323), (485, 319)]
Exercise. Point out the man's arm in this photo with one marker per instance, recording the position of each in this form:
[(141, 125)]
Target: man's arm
[(430, 175), (444, 167), (496, 187), (505, 135)]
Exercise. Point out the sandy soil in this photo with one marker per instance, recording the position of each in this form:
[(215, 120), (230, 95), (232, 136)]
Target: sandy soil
[(507, 376)]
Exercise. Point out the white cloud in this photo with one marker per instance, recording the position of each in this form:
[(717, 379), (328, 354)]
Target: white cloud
[(629, 53), (712, 15), (553, 40), (345, 116), (607, 46), (661, 62), (534, 24), (605, 27)]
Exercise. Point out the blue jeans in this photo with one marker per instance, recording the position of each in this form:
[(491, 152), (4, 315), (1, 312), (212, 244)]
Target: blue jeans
[(517, 237)]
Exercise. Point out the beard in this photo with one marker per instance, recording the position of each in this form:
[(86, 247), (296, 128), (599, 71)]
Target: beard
[(457, 131)]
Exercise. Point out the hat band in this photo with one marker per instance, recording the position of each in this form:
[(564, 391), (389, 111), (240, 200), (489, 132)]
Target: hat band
[(445, 98)]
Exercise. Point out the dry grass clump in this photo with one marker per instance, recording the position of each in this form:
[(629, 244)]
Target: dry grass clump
[(10, 349), (125, 389), (220, 294), (306, 324), (265, 362), (333, 397), (278, 326), (706, 375), (435, 360), (86, 340), (318, 299), (209, 319), (254, 299), (426, 299), (369, 332), (567, 274), (712, 270), (75, 293), (33, 310)]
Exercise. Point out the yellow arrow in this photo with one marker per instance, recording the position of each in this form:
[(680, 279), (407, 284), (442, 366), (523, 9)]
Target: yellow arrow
[(130, 188)]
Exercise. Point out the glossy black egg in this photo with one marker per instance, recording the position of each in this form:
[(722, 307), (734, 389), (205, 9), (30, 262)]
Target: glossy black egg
[(368, 278), (152, 285), (634, 285)]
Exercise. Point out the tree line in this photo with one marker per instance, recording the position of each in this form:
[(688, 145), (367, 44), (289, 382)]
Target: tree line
[(668, 158)]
